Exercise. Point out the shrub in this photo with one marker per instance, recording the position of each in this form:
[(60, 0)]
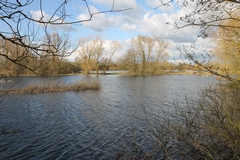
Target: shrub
[(207, 128)]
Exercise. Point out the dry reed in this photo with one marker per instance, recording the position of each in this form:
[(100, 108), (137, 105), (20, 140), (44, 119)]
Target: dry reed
[(56, 87)]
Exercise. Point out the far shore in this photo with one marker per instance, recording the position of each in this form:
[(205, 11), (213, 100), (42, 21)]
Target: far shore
[(120, 72)]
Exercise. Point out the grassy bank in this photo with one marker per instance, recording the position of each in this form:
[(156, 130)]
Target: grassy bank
[(55, 87)]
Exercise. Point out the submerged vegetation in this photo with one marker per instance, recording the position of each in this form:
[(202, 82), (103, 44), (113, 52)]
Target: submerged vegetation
[(55, 87)]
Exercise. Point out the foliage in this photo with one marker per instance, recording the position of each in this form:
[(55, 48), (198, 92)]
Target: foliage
[(228, 47)]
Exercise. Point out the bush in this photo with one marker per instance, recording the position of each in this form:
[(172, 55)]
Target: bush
[(212, 127), (207, 128)]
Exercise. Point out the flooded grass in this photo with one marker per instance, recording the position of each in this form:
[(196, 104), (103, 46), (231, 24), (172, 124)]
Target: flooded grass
[(55, 87)]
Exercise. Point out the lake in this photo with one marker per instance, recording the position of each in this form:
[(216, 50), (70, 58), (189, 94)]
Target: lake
[(89, 124)]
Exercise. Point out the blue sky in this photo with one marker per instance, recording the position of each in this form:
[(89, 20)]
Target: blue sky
[(123, 26)]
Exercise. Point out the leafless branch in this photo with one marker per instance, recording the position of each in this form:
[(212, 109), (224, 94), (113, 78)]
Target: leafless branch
[(22, 31)]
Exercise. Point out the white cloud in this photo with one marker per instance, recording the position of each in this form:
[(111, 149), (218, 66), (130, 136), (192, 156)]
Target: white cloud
[(72, 57), (125, 44), (118, 4), (135, 10), (166, 8), (147, 21), (201, 47), (100, 22), (129, 27), (143, 20), (43, 16), (155, 23)]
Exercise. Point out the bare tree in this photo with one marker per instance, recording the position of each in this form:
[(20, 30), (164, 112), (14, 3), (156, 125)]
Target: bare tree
[(114, 47), (131, 61), (98, 51), (208, 16), (206, 128), (90, 52), (161, 46), (51, 59), (144, 46), (20, 27), (150, 51)]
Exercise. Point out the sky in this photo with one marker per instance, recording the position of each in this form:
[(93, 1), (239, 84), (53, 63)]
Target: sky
[(141, 19)]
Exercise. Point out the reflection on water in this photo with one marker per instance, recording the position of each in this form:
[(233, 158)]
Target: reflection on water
[(89, 124)]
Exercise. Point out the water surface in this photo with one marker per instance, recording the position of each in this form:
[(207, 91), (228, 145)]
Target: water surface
[(89, 124)]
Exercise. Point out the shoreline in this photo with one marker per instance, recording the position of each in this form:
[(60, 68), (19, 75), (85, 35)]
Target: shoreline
[(124, 73)]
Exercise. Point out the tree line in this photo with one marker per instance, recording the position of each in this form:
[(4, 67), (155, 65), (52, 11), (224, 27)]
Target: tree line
[(205, 129), (24, 52), (18, 60), (146, 56), (28, 44)]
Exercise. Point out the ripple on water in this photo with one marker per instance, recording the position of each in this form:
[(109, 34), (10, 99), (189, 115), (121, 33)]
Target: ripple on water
[(90, 124)]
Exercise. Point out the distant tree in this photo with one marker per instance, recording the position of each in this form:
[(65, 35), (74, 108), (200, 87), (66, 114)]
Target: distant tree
[(143, 45), (66, 67), (161, 54), (21, 28), (90, 52), (161, 46), (131, 61), (114, 47), (98, 51), (146, 54)]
